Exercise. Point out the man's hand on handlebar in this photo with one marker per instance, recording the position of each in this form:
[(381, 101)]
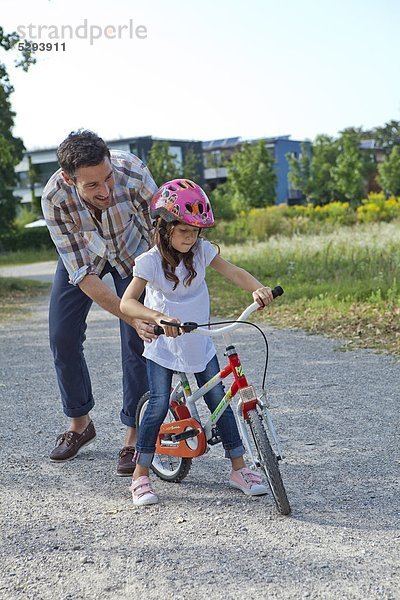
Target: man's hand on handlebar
[(144, 330)]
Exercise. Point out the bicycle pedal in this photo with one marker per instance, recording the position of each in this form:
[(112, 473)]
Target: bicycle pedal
[(215, 437), (185, 435), (214, 440)]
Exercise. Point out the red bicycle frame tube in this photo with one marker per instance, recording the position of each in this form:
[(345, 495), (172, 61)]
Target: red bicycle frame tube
[(235, 367)]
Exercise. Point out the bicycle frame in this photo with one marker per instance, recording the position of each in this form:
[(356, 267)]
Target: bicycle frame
[(172, 439), (185, 437)]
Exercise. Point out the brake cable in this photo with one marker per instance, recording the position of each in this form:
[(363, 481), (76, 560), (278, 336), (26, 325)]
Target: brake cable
[(208, 325)]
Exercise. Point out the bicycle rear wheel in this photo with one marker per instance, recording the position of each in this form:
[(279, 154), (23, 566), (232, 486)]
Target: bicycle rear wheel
[(168, 468), (268, 461)]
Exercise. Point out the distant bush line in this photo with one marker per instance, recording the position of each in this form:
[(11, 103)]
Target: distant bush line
[(25, 239), (259, 224)]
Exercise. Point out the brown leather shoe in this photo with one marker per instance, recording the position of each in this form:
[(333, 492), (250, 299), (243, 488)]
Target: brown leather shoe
[(69, 443), (126, 463)]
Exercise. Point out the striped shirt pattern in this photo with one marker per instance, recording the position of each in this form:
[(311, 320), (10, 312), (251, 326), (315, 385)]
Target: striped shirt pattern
[(83, 243)]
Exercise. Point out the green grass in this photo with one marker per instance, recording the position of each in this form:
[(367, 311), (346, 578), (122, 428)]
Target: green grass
[(24, 257), (344, 283)]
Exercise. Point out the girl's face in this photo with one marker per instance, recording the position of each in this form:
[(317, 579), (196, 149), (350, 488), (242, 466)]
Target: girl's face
[(184, 237)]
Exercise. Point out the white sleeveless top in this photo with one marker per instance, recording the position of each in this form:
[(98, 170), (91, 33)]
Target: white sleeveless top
[(189, 353)]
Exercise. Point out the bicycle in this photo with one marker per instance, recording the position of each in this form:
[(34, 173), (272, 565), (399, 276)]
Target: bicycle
[(183, 436)]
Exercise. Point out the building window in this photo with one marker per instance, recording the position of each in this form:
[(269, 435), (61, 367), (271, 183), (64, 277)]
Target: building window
[(23, 180), (213, 159), (176, 152)]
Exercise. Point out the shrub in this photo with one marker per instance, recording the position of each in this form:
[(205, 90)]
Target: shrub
[(377, 208), (259, 224), (23, 239), (335, 212), (264, 222)]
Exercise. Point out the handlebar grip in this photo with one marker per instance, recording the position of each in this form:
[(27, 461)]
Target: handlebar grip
[(160, 331), (277, 291)]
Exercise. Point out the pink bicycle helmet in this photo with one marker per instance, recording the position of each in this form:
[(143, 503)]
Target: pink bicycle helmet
[(182, 200)]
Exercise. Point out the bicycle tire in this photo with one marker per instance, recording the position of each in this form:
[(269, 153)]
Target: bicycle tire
[(268, 461), (167, 468)]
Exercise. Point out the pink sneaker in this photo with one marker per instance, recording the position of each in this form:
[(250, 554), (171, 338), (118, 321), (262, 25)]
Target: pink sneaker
[(142, 494), (248, 481)]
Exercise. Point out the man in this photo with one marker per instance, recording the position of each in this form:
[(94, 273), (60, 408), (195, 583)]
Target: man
[(96, 210)]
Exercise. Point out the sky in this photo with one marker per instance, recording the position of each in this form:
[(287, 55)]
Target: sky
[(205, 69)]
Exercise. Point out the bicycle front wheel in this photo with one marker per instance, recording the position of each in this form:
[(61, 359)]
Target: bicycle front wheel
[(168, 468), (268, 461)]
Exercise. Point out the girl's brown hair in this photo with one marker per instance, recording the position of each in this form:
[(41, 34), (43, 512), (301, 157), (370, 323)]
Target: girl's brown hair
[(170, 258)]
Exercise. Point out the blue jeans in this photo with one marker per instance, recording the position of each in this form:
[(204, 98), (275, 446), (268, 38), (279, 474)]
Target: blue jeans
[(160, 380), (69, 307)]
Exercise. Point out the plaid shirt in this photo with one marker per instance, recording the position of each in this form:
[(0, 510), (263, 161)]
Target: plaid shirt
[(84, 244)]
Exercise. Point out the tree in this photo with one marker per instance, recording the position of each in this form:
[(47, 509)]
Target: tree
[(311, 173), (34, 177), (350, 170), (300, 171), (251, 177), (162, 163), (337, 170), (221, 202), (11, 148), (191, 165), (387, 136), (325, 156), (389, 173)]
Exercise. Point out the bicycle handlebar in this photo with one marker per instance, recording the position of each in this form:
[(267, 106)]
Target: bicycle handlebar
[(193, 327)]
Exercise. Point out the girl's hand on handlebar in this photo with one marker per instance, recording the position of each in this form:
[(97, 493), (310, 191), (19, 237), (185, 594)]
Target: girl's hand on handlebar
[(168, 331), (263, 296)]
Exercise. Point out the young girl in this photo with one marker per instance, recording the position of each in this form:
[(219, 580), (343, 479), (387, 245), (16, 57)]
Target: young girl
[(173, 273)]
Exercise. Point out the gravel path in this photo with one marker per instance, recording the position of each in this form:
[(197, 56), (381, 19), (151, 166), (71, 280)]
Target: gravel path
[(42, 271), (69, 532)]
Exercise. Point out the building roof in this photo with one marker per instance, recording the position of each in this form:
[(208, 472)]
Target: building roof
[(125, 140), (370, 145), (234, 141)]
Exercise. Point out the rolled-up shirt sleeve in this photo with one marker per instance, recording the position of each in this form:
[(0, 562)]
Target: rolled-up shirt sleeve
[(69, 241)]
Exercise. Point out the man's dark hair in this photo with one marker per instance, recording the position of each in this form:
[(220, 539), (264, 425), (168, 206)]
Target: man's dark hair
[(82, 148)]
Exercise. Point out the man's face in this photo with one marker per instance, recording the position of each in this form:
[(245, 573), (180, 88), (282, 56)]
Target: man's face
[(95, 184)]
